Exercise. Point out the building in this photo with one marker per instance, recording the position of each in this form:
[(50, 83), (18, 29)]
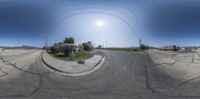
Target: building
[(169, 48)]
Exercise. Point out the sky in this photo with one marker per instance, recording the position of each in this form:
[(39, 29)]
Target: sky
[(111, 23)]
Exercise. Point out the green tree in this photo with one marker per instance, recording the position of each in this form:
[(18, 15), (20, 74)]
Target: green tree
[(99, 47), (142, 46), (53, 49), (69, 40), (80, 47), (65, 50), (60, 43), (87, 46)]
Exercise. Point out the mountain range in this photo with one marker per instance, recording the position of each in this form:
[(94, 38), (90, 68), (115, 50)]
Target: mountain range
[(20, 47)]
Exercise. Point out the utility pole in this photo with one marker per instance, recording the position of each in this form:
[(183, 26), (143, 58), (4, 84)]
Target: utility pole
[(140, 41), (46, 43)]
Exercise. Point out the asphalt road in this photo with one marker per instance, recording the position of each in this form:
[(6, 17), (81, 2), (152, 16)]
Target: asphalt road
[(124, 75)]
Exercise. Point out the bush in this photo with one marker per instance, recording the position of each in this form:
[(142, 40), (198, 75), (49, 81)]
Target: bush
[(69, 40), (66, 49), (53, 50), (142, 46), (99, 47), (87, 46), (80, 47)]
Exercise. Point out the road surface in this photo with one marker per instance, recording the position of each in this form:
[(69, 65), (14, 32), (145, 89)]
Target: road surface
[(124, 75)]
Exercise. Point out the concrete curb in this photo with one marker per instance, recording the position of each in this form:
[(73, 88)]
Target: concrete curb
[(65, 73)]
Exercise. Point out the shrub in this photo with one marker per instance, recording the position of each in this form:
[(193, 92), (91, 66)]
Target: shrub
[(142, 46), (87, 46), (69, 40), (53, 50), (80, 47), (99, 47), (64, 50)]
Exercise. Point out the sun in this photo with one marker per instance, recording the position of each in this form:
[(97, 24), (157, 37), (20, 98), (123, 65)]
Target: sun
[(100, 23)]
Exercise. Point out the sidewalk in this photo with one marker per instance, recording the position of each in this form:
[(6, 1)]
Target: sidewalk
[(72, 68)]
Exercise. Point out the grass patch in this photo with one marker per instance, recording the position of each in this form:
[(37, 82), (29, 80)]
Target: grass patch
[(83, 55), (80, 55), (126, 49)]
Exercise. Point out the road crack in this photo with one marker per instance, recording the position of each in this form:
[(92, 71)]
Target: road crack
[(6, 62), (159, 92)]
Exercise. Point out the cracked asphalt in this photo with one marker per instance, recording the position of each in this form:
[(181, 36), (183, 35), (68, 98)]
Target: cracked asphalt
[(124, 75)]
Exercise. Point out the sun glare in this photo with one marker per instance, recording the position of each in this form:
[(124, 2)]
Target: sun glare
[(100, 23)]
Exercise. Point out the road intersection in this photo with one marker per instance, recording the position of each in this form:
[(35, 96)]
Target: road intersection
[(123, 75)]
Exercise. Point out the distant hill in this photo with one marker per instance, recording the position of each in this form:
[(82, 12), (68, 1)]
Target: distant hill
[(193, 47), (20, 47)]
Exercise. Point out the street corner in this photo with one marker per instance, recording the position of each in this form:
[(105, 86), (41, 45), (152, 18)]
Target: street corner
[(73, 68)]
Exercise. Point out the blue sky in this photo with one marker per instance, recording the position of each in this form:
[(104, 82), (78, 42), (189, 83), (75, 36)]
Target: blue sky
[(158, 22)]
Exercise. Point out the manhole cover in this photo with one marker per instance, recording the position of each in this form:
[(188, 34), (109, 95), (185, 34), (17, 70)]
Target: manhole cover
[(81, 62)]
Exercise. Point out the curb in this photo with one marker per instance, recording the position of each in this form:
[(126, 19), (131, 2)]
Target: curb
[(82, 73)]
